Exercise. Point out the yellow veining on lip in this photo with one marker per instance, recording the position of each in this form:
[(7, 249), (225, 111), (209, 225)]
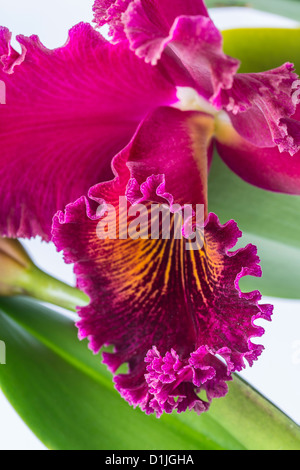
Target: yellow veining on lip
[(145, 271)]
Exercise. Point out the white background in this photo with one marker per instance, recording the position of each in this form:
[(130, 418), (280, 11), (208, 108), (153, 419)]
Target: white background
[(277, 373)]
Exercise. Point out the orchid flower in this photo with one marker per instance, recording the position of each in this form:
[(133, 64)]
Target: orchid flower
[(154, 104)]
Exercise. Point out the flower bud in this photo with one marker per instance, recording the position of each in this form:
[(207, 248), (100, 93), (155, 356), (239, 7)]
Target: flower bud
[(20, 276), (15, 265)]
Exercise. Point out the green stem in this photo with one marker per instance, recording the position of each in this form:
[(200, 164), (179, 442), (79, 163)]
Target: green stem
[(253, 420), (40, 285)]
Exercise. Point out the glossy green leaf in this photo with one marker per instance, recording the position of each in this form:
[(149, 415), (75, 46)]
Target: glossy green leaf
[(288, 8), (66, 397), (271, 221), (247, 425), (261, 49)]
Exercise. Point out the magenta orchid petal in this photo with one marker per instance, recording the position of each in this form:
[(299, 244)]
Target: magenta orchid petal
[(190, 51), (149, 24), (260, 105), (179, 35), (185, 170), (266, 168), (170, 312), (173, 383), (161, 12), (110, 12), (291, 128), (68, 112)]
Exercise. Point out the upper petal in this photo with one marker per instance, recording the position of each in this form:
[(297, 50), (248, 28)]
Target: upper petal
[(187, 44), (260, 105), (68, 112), (179, 35), (162, 11)]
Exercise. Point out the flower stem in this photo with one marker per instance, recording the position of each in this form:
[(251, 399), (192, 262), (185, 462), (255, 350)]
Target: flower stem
[(42, 286), (20, 276)]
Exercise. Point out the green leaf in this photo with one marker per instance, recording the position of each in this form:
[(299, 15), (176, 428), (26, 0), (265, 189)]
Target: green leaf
[(66, 397), (268, 220), (261, 49), (288, 8), (246, 413)]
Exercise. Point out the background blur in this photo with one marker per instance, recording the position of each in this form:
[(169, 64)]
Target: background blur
[(277, 373)]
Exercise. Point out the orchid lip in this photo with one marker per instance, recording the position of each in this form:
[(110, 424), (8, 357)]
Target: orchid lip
[(162, 307)]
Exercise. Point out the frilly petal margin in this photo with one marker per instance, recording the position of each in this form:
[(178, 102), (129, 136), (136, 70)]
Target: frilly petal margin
[(110, 12), (182, 40), (177, 317), (177, 35), (68, 112), (260, 106), (190, 51)]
